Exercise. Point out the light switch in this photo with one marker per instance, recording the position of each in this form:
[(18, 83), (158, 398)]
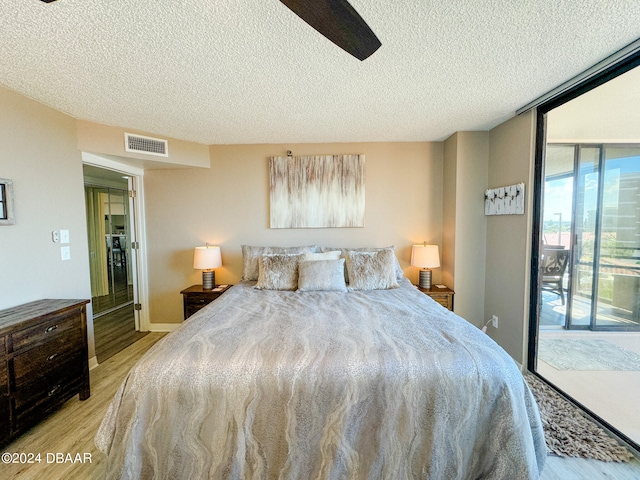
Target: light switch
[(55, 236), (65, 253), (64, 236)]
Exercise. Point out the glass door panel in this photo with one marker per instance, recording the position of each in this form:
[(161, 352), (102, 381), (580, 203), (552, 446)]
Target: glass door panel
[(584, 234), (556, 237), (619, 241)]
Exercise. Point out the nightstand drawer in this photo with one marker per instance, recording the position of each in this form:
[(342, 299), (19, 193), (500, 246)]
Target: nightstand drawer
[(444, 296), (195, 298), (201, 299)]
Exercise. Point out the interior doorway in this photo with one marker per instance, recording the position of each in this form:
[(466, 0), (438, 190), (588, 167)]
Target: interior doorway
[(111, 231)]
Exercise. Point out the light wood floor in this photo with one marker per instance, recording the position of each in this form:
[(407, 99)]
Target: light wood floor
[(71, 431)]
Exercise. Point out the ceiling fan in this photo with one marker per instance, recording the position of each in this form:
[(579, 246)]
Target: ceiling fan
[(338, 21)]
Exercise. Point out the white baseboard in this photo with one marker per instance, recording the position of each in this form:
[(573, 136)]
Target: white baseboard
[(93, 362), (163, 327)]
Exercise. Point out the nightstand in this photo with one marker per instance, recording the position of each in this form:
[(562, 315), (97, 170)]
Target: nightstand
[(444, 296), (195, 297)]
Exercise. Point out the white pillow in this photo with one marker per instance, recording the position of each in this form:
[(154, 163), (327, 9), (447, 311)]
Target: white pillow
[(312, 257), (371, 270), (321, 275), (278, 272)]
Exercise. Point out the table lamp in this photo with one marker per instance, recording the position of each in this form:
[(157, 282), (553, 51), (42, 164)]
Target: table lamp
[(425, 257), (206, 259)]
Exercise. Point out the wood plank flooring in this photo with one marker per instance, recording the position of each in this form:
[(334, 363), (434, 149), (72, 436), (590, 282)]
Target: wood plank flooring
[(71, 430)]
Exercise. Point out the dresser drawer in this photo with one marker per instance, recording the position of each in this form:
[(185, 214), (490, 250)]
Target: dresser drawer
[(4, 370), (49, 400), (38, 362), (36, 390), (53, 327)]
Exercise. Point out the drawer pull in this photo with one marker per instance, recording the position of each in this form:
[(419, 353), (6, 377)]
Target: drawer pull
[(53, 391), (52, 328), (52, 356)]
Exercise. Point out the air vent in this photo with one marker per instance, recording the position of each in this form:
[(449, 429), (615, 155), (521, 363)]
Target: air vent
[(146, 145)]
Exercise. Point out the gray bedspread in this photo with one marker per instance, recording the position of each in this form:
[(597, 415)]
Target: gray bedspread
[(385, 384)]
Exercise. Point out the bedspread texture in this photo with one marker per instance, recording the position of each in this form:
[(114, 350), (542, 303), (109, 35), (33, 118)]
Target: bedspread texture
[(383, 384)]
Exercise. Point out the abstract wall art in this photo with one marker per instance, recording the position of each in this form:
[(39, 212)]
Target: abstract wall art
[(317, 191), (504, 200)]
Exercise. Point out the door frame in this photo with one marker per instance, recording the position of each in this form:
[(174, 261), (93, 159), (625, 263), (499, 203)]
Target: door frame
[(142, 315)]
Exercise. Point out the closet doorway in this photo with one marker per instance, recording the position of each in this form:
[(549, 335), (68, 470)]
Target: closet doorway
[(112, 262)]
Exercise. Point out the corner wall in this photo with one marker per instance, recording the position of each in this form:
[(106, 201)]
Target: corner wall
[(466, 159), (38, 152), (508, 252), (228, 205)]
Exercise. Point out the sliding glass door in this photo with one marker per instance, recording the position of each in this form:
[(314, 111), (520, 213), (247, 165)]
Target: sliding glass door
[(590, 272)]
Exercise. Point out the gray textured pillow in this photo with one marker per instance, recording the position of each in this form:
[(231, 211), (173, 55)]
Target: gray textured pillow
[(396, 264), (278, 272), (321, 275), (251, 255), (371, 270)]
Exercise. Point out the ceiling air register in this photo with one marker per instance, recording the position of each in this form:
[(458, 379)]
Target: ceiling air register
[(146, 145)]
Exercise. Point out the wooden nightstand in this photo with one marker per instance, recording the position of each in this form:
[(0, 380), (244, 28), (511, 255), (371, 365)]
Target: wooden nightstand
[(195, 297), (444, 296)]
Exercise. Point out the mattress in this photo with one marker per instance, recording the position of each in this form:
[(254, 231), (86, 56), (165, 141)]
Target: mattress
[(296, 385)]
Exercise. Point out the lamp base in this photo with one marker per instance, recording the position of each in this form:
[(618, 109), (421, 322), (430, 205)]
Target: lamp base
[(425, 279), (208, 279)]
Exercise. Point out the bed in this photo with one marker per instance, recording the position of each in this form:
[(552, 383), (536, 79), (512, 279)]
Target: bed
[(364, 383)]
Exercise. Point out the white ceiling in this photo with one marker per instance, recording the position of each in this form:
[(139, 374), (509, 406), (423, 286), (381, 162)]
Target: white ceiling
[(232, 72)]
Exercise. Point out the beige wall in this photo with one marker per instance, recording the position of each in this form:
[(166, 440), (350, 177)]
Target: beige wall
[(508, 253), (466, 158), (228, 205), (449, 172), (38, 152)]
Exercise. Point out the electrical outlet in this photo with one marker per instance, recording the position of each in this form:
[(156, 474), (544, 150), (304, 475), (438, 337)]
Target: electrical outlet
[(494, 321)]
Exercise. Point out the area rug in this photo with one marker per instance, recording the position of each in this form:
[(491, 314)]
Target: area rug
[(579, 354), (569, 433)]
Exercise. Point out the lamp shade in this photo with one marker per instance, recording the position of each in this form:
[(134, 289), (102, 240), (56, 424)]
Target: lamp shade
[(425, 256), (208, 257)]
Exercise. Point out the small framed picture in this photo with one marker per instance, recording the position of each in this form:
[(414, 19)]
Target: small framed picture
[(6, 202)]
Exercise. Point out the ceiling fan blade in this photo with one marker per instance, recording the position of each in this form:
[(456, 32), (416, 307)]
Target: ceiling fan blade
[(338, 21)]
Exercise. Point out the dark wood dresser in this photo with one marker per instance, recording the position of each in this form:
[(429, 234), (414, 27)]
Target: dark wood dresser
[(43, 361)]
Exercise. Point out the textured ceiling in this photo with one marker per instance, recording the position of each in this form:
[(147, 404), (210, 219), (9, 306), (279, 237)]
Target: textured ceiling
[(229, 72)]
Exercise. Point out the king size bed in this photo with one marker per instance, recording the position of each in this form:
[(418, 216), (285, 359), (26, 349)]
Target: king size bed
[(324, 383)]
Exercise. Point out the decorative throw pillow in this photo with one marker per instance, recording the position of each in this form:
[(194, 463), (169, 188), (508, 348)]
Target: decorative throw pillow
[(251, 256), (278, 272), (321, 275), (331, 255), (396, 264), (371, 270)]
